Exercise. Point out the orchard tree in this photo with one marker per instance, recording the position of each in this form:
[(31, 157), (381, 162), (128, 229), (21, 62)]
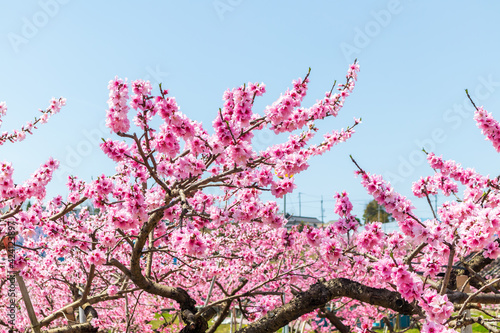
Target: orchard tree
[(374, 212), (162, 238)]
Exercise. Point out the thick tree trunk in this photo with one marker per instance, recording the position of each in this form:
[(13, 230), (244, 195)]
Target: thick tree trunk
[(79, 328), (322, 292)]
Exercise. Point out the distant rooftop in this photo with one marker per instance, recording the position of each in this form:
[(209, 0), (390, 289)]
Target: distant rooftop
[(302, 220)]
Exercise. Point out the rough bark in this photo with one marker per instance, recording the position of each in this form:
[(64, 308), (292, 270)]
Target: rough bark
[(221, 317), (335, 321), (60, 313), (460, 298), (322, 292), (476, 264), (78, 328)]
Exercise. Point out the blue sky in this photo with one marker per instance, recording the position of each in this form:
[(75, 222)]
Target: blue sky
[(416, 58)]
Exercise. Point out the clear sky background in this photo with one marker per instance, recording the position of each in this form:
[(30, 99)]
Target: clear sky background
[(416, 58)]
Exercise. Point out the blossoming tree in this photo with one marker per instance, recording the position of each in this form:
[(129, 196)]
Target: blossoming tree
[(156, 238)]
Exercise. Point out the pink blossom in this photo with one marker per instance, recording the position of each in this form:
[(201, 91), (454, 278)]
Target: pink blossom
[(437, 307), (313, 236), (489, 126), (166, 107), (331, 249), (396, 204), (97, 257), (281, 187), (112, 290), (122, 219), (3, 109), (492, 251), (116, 116), (343, 205)]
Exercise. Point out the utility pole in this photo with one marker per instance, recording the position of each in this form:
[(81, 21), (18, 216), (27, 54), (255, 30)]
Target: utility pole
[(300, 206), (436, 203), (322, 211), (284, 206), (81, 315), (81, 312)]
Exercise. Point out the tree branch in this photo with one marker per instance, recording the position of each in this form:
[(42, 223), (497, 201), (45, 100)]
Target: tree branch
[(335, 321), (322, 292)]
